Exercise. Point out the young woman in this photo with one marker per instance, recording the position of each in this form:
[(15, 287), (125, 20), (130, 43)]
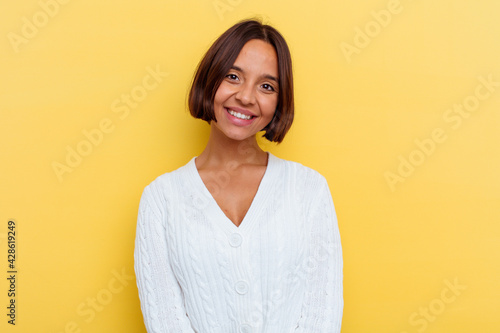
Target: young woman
[(237, 239)]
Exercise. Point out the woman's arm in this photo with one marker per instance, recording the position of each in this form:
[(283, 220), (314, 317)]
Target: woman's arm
[(323, 304), (162, 302)]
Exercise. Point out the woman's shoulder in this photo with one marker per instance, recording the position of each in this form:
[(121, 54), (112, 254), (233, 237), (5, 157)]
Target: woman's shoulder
[(163, 182), (300, 170), (303, 182)]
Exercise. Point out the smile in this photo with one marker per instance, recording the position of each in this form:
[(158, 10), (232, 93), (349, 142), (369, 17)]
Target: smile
[(238, 115)]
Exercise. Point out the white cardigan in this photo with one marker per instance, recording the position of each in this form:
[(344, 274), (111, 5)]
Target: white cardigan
[(279, 271)]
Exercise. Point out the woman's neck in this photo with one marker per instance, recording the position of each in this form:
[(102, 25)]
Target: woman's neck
[(221, 150)]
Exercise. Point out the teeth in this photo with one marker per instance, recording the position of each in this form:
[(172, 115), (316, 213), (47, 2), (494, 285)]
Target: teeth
[(238, 115)]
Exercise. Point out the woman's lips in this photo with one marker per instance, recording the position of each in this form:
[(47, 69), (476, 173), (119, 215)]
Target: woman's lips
[(240, 110), (238, 121)]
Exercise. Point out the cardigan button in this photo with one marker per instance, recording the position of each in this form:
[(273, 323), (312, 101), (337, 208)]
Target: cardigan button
[(235, 240), (241, 287), (245, 328)]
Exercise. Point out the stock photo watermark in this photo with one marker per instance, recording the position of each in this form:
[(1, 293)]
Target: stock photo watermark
[(454, 117), (380, 19), (31, 26), (223, 6), (429, 313), (88, 309), (95, 136), (12, 270)]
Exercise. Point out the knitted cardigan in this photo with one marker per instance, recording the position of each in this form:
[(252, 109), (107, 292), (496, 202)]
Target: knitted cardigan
[(279, 271)]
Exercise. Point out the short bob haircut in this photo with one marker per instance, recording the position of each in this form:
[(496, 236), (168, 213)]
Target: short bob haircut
[(217, 62)]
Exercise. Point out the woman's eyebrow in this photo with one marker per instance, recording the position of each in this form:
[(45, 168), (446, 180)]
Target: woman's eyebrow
[(267, 76)]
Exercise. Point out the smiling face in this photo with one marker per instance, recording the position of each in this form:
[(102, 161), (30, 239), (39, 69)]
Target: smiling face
[(246, 99)]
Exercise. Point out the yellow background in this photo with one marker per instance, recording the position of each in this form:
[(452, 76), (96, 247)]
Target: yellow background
[(357, 116)]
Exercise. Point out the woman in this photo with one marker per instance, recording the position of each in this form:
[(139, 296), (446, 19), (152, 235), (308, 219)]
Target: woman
[(237, 239)]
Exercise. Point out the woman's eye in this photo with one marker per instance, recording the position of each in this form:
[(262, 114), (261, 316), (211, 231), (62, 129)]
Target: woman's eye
[(268, 87), (232, 76)]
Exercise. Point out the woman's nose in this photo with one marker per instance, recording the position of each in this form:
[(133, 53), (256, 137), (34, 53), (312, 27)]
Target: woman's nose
[(246, 94)]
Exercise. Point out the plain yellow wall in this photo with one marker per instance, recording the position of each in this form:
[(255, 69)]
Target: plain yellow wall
[(397, 104)]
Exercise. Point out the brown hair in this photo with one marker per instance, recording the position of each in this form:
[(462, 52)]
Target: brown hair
[(221, 56)]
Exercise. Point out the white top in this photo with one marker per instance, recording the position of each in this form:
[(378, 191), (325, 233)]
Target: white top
[(279, 271)]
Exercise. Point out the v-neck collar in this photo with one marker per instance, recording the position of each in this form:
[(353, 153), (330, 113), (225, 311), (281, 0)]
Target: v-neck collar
[(215, 213)]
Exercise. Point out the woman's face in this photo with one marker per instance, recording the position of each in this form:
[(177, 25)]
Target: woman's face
[(250, 88)]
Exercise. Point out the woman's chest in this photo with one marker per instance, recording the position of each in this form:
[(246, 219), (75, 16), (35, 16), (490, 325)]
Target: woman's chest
[(200, 242), (233, 193)]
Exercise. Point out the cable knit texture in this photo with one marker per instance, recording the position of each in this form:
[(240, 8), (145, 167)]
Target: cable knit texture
[(280, 271)]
